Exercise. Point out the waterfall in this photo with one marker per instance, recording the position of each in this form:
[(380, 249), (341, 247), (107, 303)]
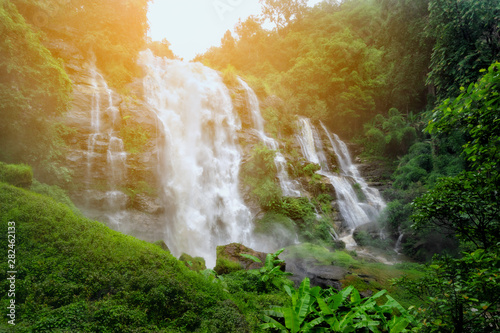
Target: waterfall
[(358, 203), (104, 147), (289, 188), (200, 160)]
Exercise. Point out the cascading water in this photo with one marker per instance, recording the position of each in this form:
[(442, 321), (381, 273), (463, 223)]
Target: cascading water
[(200, 160), (358, 203), (288, 187), (103, 142)]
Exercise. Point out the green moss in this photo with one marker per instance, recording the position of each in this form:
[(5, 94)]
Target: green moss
[(359, 192), (226, 266), (196, 264), (75, 274), (54, 192), (229, 76), (17, 175), (162, 245), (321, 254)]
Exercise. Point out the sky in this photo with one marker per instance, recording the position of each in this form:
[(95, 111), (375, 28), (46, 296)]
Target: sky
[(193, 26)]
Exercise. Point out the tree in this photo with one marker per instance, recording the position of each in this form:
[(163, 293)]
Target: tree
[(468, 203), (114, 30), (34, 89), (282, 12), (459, 295), (475, 114), (161, 49), (467, 34), (462, 295)]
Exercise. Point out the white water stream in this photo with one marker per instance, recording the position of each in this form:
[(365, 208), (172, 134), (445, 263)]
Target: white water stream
[(358, 203), (104, 147), (289, 187), (200, 160)]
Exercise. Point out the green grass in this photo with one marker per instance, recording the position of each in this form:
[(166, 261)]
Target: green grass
[(77, 275)]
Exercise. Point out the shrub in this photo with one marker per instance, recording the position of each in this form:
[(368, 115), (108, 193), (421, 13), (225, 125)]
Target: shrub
[(18, 175), (55, 192)]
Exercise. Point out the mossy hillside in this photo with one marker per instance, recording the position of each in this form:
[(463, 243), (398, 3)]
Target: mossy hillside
[(74, 274), (16, 174)]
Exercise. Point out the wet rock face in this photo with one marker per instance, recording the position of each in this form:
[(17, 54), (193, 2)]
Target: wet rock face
[(319, 275), (106, 173)]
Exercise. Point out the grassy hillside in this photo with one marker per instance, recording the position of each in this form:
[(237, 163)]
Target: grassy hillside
[(74, 275)]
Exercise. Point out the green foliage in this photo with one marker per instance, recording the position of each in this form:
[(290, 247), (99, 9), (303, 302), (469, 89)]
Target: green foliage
[(34, 89), (161, 49), (408, 53), (459, 295), (466, 204), (259, 172), (78, 275), (229, 76), (475, 114), (309, 169), (17, 175), (359, 192), (281, 13), (271, 273), (296, 208), (321, 254), (314, 310), (364, 238), (196, 264), (54, 192), (273, 220), (112, 31), (467, 40), (391, 136)]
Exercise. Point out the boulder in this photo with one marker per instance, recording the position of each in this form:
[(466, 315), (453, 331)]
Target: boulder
[(162, 245), (319, 275), (229, 258)]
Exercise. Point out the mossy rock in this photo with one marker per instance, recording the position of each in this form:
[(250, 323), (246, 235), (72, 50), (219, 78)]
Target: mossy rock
[(162, 245), (229, 258), (193, 263)]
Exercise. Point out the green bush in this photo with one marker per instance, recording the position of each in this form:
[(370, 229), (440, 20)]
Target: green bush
[(17, 175), (296, 208), (55, 192)]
